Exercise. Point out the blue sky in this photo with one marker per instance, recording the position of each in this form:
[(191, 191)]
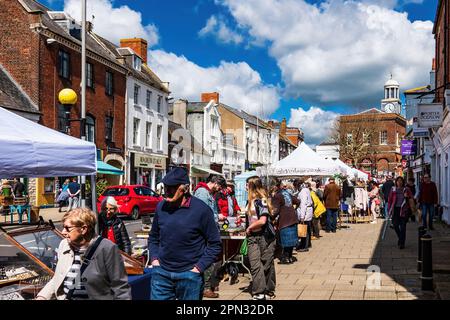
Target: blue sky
[(254, 44)]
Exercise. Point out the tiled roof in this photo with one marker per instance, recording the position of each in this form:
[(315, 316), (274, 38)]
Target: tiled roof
[(12, 97), (145, 75)]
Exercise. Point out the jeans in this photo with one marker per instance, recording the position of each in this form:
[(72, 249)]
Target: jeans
[(386, 211), (427, 208), (331, 219), (261, 255), (399, 226), (166, 285), (73, 203)]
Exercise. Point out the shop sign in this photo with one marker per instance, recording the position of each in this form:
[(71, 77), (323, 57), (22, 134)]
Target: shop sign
[(420, 133), (430, 115), (408, 147), (404, 163), (154, 162)]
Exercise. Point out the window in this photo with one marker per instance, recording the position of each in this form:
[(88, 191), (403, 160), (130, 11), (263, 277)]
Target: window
[(383, 137), (109, 128), (90, 129), (349, 138), (366, 138), (89, 75), (62, 118), (109, 87), (149, 99), (398, 139), (137, 63), (159, 137), (148, 135), (137, 90), (64, 64), (159, 103), (136, 131)]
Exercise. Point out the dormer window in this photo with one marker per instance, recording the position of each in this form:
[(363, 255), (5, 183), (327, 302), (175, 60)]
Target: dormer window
[(137, 63)]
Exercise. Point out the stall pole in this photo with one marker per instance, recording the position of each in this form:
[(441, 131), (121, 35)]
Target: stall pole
[(83, 93), (94, 199)]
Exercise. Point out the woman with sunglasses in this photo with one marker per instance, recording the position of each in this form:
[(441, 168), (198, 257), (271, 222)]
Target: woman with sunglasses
[(101, 277), (111, 227)]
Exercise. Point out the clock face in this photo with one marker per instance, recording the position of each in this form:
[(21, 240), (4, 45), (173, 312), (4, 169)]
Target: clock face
[(389, 107)]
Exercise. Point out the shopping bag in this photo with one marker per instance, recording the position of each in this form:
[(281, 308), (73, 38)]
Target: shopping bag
[(302, 230), (244, 248)]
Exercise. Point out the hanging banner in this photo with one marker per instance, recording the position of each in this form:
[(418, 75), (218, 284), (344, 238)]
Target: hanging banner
[(430, 115), (408, 147)]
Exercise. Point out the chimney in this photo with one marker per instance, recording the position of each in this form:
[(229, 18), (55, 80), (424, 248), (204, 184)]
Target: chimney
[(138, 45), (283, 127), (433, 75), (208, 96), (180, 112)]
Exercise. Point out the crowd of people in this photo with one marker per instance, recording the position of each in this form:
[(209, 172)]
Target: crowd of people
[(282, 218)]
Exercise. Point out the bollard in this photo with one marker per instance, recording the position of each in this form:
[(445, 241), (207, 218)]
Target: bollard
[(427, 263), (422, 231)]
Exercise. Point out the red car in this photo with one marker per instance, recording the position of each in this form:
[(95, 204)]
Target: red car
[(133, 201)]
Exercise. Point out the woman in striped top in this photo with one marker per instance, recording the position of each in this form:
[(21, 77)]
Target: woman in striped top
[(104, 277)]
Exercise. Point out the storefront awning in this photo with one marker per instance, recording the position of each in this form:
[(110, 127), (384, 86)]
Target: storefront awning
[(203, 170), (105, 168)]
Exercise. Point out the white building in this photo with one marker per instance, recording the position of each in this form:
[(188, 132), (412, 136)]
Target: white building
[(146, 137), (328, 150), (202, 120)]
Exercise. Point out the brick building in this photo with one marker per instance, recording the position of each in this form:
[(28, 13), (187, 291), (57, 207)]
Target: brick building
[(384, 133), (41, 50)]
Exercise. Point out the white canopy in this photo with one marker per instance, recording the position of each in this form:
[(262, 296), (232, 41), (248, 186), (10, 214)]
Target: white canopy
[(28, 149), (304, 162), (352, 172)]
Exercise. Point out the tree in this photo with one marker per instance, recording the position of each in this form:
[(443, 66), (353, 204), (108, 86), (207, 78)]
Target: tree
[(354, 139)]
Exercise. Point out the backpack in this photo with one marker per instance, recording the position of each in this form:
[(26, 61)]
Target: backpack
[(319, 207)]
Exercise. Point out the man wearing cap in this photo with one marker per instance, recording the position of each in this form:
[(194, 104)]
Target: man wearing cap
[(111, 227), (184, 241)]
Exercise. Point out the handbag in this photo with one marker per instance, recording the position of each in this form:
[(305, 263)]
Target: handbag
[(244, 247), (302, 230)]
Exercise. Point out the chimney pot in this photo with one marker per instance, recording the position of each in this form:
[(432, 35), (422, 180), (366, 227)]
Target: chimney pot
[(208, 96), (138, 45)]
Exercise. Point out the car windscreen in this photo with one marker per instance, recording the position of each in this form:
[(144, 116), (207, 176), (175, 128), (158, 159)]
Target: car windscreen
[(116, 192)]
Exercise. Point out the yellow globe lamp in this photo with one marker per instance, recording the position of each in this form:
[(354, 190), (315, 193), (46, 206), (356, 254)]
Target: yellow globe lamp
[(67, 97)]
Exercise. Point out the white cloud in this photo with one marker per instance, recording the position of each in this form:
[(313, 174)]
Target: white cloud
[(215, 26), (114, 23), (237, 83), (339, 51), (316, 123)]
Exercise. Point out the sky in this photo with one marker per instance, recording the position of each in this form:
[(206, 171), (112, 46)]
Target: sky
[(304, 60)]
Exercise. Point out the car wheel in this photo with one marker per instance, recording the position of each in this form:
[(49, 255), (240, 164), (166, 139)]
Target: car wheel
[(135, 213)]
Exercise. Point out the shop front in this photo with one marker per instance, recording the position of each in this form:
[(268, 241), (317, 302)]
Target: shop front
[(147, 169)]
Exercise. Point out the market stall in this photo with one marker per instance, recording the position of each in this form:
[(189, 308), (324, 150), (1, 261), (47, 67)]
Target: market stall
[(302, 162), (31, 150)]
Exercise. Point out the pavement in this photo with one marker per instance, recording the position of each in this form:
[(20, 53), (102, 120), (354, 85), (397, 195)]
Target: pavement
[(339, 267)]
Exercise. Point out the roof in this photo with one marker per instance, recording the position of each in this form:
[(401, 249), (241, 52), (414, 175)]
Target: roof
[(286, 139), (423, 89), (194, 142), (92, 43), (369, 111), (391, 82), (12, 96), (145, 75), (325, 143)]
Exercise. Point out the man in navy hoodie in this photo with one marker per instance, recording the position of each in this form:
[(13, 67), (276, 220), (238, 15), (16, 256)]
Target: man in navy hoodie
[(184, 241)]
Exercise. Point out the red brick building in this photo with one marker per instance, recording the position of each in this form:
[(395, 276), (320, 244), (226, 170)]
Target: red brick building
[(41, 50), (386, 131)]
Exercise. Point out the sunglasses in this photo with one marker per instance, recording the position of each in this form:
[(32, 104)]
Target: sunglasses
[(69, 228)]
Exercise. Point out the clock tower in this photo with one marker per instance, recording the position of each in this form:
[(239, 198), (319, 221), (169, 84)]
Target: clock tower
[(391, 102)]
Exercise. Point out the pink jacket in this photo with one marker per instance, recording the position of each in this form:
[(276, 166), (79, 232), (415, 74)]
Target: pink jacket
[(405, 204)]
